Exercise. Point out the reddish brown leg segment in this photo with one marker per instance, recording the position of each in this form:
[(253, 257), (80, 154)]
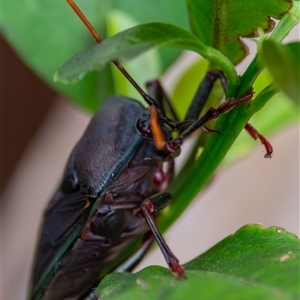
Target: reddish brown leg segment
[(256, 135), (148, 208), (212, 113)]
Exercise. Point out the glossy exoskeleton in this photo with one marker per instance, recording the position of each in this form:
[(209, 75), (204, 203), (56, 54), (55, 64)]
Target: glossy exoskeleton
[(112, 187)]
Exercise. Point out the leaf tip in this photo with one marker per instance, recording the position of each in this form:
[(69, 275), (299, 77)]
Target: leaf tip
[(56, 77), (59, 77)]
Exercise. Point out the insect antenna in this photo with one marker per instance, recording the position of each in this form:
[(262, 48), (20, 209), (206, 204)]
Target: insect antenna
[(94, 33), (157, 131)]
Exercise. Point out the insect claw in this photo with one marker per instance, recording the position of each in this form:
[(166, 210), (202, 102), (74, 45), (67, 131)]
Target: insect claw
[(178, 270), (256, 135), (208, 130)]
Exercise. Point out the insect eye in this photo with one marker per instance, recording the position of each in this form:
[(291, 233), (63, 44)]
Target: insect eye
[(143, 125)]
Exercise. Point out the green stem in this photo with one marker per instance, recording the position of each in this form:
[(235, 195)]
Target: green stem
[(262, 98), (191, 180), (226, 65), (194, 177), (288, 21)]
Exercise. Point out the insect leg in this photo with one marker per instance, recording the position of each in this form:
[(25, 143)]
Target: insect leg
[(131, 262), (149, 207), (201, 97), (256, 135), (203, 92), (157, 92), (212, 113), (134, 259), (206, 85)]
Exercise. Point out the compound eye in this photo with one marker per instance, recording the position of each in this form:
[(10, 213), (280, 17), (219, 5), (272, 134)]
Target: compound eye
[(144, 126)]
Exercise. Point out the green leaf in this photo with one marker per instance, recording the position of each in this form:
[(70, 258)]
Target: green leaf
[(156, 11), (288, 21), (221, 24), (132, 42), (125, 45), (282, 62), (47, 33), (253, 263)]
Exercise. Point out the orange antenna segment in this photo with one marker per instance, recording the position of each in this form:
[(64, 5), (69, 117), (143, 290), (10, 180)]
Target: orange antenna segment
[(85, 20), (159, 138)]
